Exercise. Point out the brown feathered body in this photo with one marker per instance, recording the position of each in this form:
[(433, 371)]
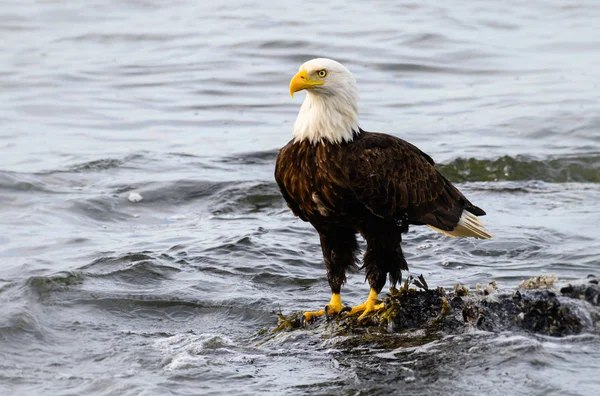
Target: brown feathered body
[(375, 185)]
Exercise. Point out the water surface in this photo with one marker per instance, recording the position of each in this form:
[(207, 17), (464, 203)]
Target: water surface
[(186, 104)]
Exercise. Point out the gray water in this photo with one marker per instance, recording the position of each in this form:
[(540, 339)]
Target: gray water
[(186, 104)]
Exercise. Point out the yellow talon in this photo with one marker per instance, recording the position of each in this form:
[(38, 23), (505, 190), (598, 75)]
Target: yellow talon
[(368, 306), (334, 307)]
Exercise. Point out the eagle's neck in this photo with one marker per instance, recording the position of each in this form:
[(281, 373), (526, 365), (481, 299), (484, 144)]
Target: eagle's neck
[(327, 118)]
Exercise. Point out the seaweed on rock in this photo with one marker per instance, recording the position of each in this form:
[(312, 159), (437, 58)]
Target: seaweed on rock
[(535, 307)]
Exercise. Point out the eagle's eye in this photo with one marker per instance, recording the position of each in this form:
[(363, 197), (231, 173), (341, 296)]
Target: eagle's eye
[(322, 73)]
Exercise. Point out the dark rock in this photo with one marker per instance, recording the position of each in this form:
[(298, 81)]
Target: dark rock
[(542, 311), (589, 292)]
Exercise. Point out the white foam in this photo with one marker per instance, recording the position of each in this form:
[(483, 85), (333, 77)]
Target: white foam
[(135, 197)]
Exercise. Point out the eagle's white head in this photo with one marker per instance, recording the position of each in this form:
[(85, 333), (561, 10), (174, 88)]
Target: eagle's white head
[(330, 110)]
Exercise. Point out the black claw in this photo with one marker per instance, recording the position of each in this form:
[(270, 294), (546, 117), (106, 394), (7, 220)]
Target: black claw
[(327, 317), (305, 322), (346, 309)]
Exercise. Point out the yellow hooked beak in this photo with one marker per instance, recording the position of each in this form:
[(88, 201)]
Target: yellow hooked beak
[(301, 81)]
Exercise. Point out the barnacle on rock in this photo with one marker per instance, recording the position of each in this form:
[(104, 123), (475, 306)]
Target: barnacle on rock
[(486, 290), (539, 282), (461, 290)]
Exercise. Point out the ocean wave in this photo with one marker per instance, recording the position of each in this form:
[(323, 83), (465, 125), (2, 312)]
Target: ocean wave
[(248, 198), (180, 191), (136, 268), (103, 164), (21, 182), (252, 158), (133, 267), (42, 286), (582, 169)]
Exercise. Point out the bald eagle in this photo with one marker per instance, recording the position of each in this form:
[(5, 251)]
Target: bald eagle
[(346, 181)]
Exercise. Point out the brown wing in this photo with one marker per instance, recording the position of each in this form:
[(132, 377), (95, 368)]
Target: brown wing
[(394, 179), (285, 167)]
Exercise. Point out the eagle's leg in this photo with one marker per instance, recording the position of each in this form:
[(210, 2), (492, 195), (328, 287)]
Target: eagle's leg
[(383, 256), (339, 248)]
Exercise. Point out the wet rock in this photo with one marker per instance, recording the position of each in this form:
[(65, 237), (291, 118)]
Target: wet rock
[(537, 307), (589, 291)]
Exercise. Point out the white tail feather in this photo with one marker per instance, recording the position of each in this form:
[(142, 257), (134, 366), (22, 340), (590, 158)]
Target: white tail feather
[(469, 225)]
